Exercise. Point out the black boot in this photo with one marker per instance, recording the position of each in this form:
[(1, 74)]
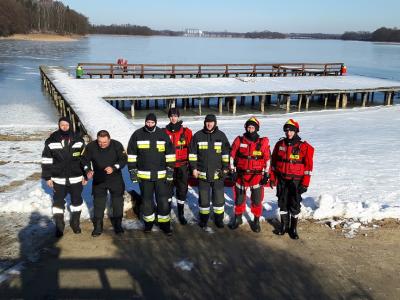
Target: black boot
[(293, 228), (118, 226), (166, 228), (74, 222), (219, 220), (255, 225), (237, 221), (98, 227), (203, 220), (148, 226), (60, 224), (284, 224), (181, 216)]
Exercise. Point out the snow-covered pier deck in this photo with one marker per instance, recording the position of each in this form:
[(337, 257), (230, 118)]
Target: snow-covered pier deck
[(84, 99)]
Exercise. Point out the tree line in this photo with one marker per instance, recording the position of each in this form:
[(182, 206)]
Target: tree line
[(45, 16), (382, 34)]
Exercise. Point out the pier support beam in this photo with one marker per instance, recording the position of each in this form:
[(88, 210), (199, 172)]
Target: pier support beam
[(200, 103), (300, 102), (325, 101), (388, 97), (262, 103), (364, 99), (344, 100), (337, 101), (133, 109), (220, 104), (307, 101), (234, 100), (287, 103)]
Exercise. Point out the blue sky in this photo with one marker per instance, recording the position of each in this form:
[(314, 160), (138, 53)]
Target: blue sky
[(286, 16)]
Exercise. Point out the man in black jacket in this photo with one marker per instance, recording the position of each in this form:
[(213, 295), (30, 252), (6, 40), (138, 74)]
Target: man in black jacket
[(61, 169), (151, 159), (103, 160), (209, 161)]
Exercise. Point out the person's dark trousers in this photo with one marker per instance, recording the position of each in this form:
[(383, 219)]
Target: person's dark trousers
[(115, 187), (217, 199), (289, 201), (161, 190), (60, 192), (181, 177)]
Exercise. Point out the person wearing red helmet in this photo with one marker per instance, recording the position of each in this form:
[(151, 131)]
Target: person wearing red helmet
[(181, 137), (250, 158), (291, 168)]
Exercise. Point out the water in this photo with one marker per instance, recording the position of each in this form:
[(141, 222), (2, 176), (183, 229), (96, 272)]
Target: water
[(20, 88)]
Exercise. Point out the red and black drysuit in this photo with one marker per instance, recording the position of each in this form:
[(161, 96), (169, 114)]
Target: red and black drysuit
[(291, 165), (250, 157), (180, 137)]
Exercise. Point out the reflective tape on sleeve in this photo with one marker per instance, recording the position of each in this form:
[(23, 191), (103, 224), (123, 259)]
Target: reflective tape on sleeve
[(192, 157), (308, 173), (132, 158), (47, 161)]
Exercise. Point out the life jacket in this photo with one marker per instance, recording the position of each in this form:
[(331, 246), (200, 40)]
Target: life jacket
[(180, 140), (249, 156), (293, 161)]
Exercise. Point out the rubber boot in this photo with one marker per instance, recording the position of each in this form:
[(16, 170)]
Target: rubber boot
[(255, 225), (98, 227), (203, 220), (219, 220), (148, 226), (166, 228), (118, 225), (284, 224), (237, 221), (74, 222), (181, 216), (60, 224), (293, 228)]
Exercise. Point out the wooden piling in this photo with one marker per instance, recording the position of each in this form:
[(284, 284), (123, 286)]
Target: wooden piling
[(234, 100), (262, 103), (133, 109), (364, 99), (220, 105), (307, 101), (325, 101), (300, 102), (288, 103), (344, 100), (337, 101)]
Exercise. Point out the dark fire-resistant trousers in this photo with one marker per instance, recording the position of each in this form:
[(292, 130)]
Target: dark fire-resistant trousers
[(161, 190), (217, 196), (288, 197), (61, 191), (181, 177), (116, 188)]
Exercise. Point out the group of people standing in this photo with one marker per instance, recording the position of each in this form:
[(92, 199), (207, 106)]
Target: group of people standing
[(164, 161)]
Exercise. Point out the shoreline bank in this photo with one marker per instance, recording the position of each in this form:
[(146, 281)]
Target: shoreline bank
[(43, 37)]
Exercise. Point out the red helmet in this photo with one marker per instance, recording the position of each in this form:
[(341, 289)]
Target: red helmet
[(291, 124), (252, 121)]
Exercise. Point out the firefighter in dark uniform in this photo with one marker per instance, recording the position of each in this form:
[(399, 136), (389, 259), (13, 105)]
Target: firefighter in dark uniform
[(181, 137), (250, 158), (209, 161), (103, 160), (151, 159), (291, 165), (61, 169)]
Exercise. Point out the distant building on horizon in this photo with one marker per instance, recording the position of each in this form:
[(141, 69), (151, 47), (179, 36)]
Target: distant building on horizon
[(193, 32)]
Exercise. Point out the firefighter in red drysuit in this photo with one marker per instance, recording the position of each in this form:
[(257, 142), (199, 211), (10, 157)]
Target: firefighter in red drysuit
[(181, 137), (291, 165), (250, 158)]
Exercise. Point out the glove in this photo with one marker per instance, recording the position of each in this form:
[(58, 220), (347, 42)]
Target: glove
[(264, 179), (134, 175), (302, 189), (221, 173), (170, 174)]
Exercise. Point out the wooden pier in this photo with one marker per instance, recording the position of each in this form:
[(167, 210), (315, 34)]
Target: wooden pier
[(110, 70), (75, 98)]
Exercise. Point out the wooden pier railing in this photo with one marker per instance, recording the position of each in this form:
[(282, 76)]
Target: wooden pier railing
[(110, 70)]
